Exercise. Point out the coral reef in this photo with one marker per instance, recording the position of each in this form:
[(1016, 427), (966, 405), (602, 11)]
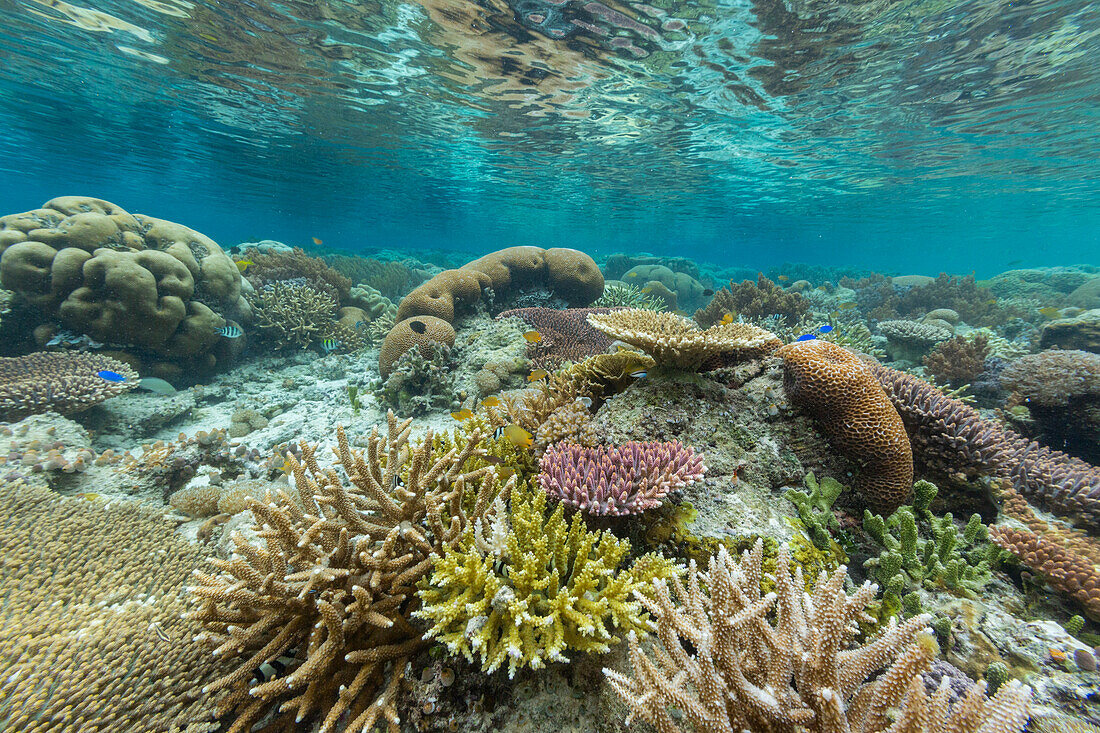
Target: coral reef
[(617, 480), (522, 588), (911, 340), (291, 314), (419, 380), (841, 392), (296, 266), (959, 361), (815, 509), (1061, 390), (120, 278), (677, 343), (421, 333), (677, 289), (64, 382), (330, 589), (391, 279), (1081, 331), (565, 335), (723, 664), (753, 300), (1072, 574), (624, 295)]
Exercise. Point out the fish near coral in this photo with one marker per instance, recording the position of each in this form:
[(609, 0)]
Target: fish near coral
[(841, 392)]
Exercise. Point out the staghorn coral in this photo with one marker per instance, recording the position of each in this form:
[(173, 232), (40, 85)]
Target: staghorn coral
[(841, 392), (618, 480), (1073, 574), (522, 589), (64, 382), (677, 343), (270, 268), (292, 315), (566, 335), (571, 423), (958, 361), (331, 588), (628, 296), (92, 635), (753, 300), (726, 665)]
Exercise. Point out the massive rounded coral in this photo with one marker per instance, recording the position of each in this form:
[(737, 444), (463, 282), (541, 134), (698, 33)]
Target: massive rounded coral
[(841, 392), (121, 278)]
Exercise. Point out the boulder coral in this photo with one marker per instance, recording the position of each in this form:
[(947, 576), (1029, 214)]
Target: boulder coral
[(841, 392), (568, 273), (121, 278)]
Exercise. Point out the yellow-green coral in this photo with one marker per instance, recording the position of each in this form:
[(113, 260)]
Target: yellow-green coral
[(522, 588)]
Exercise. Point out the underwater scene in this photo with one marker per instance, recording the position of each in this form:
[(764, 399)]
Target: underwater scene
[(551, 366)]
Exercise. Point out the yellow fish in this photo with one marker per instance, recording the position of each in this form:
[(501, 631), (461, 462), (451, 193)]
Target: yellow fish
[(537, 375), (533, 337), (782, 278), (1050, 312), (647, 289), (464, 414), (846, 306), (516, 435), (243, 265), (491, 402), (89, 496), (728, 318), (632, 274), (317, 240)]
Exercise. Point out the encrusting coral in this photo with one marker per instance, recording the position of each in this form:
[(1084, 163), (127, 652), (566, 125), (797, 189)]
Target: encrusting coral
[(618, 480), (753, 300), (724, 664), (522, 588), (330, 590), (840, 390), (677, 343), (61, 381)]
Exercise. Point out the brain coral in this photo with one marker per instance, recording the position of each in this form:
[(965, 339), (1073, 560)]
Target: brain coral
[(841, 392), (120, 278), (421, 331), (64, 382)]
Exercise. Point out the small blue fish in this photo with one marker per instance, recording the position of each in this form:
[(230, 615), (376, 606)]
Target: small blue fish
[(230, 332), (110, 376), (360, 325), (825, 329), (806, 337), (329, 345), (639, 374)]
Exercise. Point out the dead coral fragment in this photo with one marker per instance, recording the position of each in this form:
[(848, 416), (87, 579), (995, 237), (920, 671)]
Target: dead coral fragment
[(678, 343), (801, 672), (626, 479), (64, 382)]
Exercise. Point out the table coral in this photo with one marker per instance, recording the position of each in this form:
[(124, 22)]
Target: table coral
[(841, 392), (64, 382), (617, 480), (522, 588)]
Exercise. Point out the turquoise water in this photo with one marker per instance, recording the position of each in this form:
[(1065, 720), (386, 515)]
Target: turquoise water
[(902, 136)]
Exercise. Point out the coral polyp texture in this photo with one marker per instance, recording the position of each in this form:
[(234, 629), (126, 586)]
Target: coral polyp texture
[(1073, 574), (753, 300), (521, 589), (617, 480), (675, 342), (731, 658), (565, 335), (64, 382), (120, 278), (329, 587), (840, 390)]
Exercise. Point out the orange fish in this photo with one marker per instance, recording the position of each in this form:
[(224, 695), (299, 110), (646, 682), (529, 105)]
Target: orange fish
[(533, 337), (491, 402), (464, 414), (782, 278), (537, 375), (728, 318), (317, 240)]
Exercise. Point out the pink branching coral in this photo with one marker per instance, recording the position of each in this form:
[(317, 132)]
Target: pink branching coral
[(618, 480)]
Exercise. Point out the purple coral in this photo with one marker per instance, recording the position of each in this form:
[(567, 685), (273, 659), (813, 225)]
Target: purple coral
[(618, 480)]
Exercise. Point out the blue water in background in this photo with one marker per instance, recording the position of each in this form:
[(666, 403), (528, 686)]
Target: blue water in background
[(909, 137)]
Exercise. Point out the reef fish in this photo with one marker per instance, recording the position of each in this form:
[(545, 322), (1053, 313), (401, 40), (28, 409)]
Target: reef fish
[(825, 329), (243, 265), (110, 376), (230, 332), (1050, 312), (157, 385), (707, 292), (492, 401), (537, 375), (516, 435), (464, 414), (846, 306), (533, 337), (317, 240), (782, 278), (639, 374), (329, 345), (806, 337), (728, 318)]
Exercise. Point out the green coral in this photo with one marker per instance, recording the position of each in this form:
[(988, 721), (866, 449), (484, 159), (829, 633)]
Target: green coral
[(815, 509), (996, 674), (526, 588), (940, 559), (628, 296)]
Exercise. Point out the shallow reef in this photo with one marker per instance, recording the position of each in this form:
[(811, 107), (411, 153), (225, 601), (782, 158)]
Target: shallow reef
[(531, 492)]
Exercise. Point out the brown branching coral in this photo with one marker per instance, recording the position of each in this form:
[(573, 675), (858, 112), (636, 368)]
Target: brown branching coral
[(1073, 574), (65, 382), (840, 390), (726, 666), (958, 361), (292, 315), (565, 335), (753, 300), (331, 589), (92, 635), (677, 343), (392, 279), (281, 266)]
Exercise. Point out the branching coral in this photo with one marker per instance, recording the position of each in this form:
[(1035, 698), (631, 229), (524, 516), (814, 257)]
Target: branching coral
[(815, 509), (628, 296), (270, 268), (330, 589), (292, 314), (841, 392), (626, 479), (523, 589), (677, 343), (725, 665), (64, 382), (958, 361), (753, 300)]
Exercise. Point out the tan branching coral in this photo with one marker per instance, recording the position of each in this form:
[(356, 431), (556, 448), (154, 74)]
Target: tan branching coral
[(292, 315), (65, 382), (92, 635), (840, 390), (958, 361), (330, 590), (726, 666), (678, 343), (753, 300)]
